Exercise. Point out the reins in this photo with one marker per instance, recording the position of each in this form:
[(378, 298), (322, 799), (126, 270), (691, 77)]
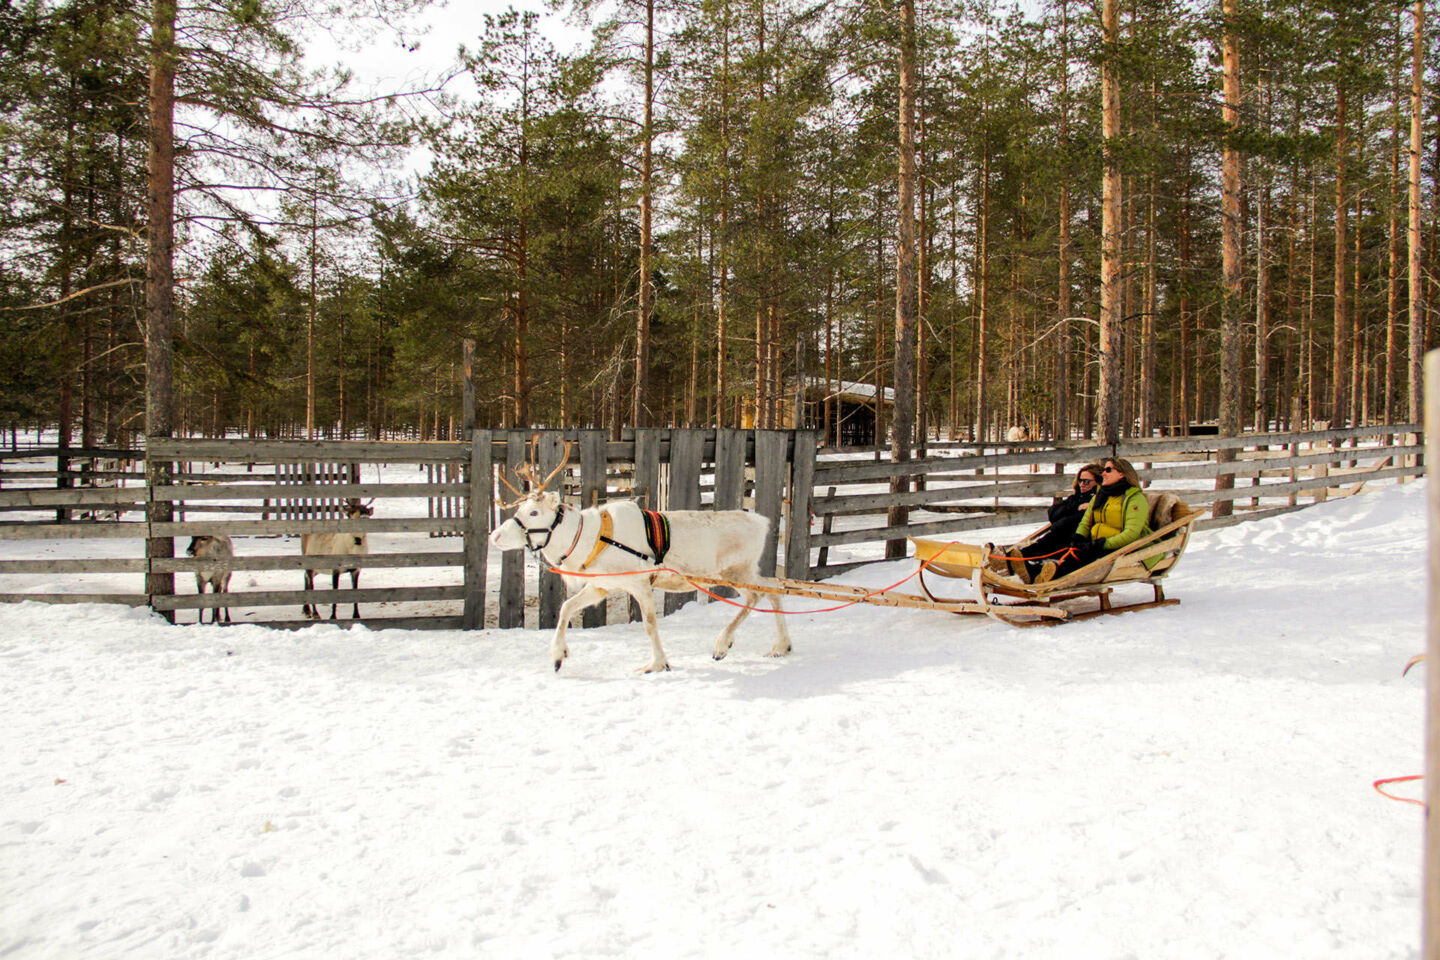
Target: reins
[(714, 596)]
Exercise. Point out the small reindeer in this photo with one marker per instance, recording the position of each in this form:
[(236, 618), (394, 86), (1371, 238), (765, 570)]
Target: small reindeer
[(216, 574), (336, 546)]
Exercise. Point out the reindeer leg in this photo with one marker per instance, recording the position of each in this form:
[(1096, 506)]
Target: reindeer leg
[(355, 585), (558, 650), (200, 589), (224, 587), (334, 585), (782, 642), (645, 597), (726, 640), (309, 609)]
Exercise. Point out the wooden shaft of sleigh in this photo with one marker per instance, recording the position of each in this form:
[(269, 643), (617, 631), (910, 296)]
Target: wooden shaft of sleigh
[(849, 594)]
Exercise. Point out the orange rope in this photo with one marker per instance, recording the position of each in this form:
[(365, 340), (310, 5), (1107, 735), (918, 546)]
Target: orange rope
[(1378, 783), (861, 599)]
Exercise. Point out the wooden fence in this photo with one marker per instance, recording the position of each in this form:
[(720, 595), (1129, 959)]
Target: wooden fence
[(451, 494), (423, 491), (970, 489)]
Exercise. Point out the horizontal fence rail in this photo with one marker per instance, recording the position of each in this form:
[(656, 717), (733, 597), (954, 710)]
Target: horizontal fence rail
[(418, 491), (828, 508), (974, 489)]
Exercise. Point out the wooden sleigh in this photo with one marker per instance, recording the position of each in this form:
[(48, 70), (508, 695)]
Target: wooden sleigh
[(1020, 604)]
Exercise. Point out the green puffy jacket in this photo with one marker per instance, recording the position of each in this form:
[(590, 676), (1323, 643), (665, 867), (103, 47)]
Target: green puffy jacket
[(1122, 520)]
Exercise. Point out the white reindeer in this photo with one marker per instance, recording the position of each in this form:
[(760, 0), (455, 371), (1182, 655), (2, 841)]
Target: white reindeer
[(336, 546), (217, 574), (612, 540)]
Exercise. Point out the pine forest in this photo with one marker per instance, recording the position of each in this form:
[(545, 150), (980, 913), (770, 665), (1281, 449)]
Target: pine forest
[(1104, 219)]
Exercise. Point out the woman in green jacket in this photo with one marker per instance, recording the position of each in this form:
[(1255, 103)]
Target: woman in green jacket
[(1118, 515)]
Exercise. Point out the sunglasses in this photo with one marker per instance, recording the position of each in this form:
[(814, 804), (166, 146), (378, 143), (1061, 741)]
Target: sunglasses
[(1110, 470), (1088, 481)]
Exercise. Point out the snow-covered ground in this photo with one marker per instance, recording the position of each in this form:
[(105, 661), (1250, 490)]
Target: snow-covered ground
[(1193, 781)]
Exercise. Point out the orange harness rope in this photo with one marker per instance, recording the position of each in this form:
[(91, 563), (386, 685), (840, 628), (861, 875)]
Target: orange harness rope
[(714, 596), (1378, 783)]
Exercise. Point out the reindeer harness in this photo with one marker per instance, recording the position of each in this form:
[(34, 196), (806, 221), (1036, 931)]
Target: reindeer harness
[(657, 536), (657, 525)]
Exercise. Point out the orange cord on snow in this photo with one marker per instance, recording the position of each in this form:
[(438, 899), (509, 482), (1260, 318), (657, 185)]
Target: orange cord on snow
[(714, 596), (1378, 783)]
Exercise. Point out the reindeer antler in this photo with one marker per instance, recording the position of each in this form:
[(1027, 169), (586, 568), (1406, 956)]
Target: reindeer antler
[(529, 472), (518, 494), (564, 461)]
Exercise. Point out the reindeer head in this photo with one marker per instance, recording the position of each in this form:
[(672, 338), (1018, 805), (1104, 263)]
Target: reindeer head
[(537, 511)]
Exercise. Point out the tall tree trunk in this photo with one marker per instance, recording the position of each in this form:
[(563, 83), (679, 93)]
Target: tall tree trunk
[(1262, 286), (982, 283), (1417, 290), (905, 274), (160, 283), (639, 411), (1231, 302), (342, 413), (722, 306), (521, 368), (1062, 360), (1150, 299), (1392, 245), (1262, 314), (922, 277), (1339, 374), (1187, 387), (1357, 333), (1110, 229), (1312, 219)]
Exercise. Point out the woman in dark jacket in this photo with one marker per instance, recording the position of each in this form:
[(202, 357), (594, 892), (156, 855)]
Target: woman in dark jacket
[(1118, 515), (1065, 515)]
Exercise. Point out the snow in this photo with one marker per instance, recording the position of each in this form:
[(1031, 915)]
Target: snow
[(1192, 781)]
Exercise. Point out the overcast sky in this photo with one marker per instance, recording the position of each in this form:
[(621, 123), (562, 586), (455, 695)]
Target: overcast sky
[(389, 62), (386, 63)]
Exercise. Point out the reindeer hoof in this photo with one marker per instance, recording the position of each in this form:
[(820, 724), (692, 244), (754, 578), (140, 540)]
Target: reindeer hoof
[(557, 664), (657, 668)]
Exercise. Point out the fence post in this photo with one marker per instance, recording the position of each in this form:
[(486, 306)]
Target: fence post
[(771, 458), (477, 529), (1431, 920), (592, 493), (687, 449), (552, 585), (730, 455), (647, 476), (802, 482), (512, 562), (158, 473)]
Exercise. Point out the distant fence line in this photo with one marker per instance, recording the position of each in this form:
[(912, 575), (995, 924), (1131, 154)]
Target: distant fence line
[(1271, 474), (298, 486)]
